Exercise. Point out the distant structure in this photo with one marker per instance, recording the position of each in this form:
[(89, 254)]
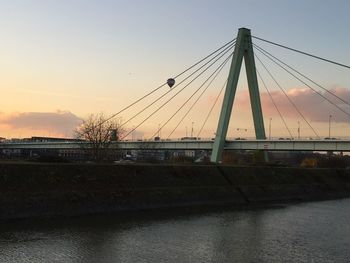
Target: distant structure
[(49, 139)]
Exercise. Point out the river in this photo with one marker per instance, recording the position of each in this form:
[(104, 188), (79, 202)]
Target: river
[(304, 232)]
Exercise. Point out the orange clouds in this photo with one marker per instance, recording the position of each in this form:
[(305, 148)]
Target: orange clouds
[(312, 105), (60, 123), (314, 108)]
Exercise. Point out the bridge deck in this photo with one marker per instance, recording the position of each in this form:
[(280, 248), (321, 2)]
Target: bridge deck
[(271, 145)]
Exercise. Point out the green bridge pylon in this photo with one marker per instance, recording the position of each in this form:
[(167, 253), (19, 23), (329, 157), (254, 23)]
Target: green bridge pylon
[(243, 49)]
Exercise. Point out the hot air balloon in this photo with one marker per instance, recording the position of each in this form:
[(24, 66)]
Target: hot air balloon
[(170, 82)]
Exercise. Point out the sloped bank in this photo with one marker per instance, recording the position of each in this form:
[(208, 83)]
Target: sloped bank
[(28, 190)]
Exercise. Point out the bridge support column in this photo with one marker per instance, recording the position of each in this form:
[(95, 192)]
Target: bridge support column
[(243, 49)]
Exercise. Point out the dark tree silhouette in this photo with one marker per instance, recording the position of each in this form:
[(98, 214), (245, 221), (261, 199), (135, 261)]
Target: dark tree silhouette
[(98, 133)]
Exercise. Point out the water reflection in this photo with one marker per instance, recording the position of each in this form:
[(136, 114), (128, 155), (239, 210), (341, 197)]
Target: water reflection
[(310, 232)]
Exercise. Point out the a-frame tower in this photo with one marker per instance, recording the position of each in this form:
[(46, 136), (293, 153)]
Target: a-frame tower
[(243, 49)]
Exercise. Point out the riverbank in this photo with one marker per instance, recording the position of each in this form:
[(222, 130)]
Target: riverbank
[(31, 190)]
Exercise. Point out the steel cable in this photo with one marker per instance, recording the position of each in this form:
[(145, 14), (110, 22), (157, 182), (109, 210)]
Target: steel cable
[(321, 95), (212, 107), (174, 95), (164, 84), (163, 95), (218, 70), (289, 99), (309, 79), (302, 52), (273, 101)]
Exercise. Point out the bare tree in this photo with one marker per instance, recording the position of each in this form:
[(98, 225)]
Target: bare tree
[(99, 132)]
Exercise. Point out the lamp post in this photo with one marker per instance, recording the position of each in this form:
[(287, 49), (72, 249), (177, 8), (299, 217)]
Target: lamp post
[(270, 129), (329, 126), (192, 129), (132, 133), (298, 130)]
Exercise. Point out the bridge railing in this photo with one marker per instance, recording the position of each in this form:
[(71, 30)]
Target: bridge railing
[(270, 145)]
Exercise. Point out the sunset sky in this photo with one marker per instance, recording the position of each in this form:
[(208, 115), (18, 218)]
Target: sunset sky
[(61, 60)]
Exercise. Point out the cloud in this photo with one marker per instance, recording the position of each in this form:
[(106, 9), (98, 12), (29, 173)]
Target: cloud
[(57, 123), (309, 103)]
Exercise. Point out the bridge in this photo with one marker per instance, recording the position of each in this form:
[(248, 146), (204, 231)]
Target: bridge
[(270, 145), (240, 48)]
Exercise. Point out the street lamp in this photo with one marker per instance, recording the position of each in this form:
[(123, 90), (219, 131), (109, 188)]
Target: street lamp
[(192, 129), (270, 129), (299, 130), (329, 126)]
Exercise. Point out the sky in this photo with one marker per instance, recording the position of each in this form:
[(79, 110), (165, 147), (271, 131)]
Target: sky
[(61, 60)]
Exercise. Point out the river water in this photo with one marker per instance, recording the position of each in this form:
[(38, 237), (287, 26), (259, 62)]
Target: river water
[(306, 232)]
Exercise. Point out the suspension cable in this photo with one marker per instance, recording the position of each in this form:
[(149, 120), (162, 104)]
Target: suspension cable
[(223, 52), (315, 83), (173, 96), (212, 107), (304, 53), (318, 93), (289, 99), (189, 68), (217, 71), (273, 101), (164, 84)]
